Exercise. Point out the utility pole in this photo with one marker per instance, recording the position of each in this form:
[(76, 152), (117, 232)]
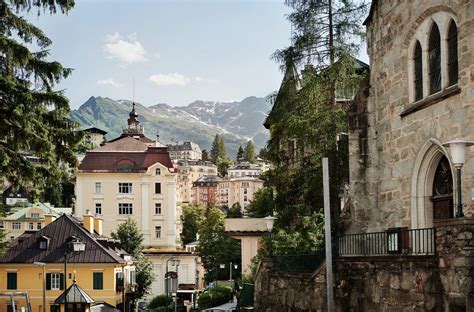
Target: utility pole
[(327, 234)]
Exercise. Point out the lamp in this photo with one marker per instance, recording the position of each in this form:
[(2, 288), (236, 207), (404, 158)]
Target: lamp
[(44, 282), (222, 265), (269, 220), (174, 262), (457, 149), (73, 244)]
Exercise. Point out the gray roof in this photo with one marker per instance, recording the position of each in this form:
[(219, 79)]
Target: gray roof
[(244, 165), (186, 146), (20, 213), (75, 294), (24, 249)]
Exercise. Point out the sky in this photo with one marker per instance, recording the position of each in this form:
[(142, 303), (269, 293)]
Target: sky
[(172, 51)]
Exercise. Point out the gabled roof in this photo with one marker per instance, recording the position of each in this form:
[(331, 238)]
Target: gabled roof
[(20, 213), (25, 249), (75, 294), (95, 130), (123, 144)]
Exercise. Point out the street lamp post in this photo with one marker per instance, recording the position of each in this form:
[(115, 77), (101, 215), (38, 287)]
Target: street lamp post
[(44, 282), (73, 244), (174, 262), (269, 220), (458, 154)]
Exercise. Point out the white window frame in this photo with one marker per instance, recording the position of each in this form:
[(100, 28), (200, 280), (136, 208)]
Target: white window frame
[(158, 208), (125, 208), (35, 215), (55, 281), (98, 208), (16, 225), (125, 188), (158, 231), (31, 226), (98, 188)]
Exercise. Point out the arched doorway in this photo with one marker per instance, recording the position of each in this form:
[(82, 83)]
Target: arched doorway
[(442, 197), (431, 185)]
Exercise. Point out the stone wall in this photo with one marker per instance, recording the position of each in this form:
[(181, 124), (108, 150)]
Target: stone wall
[(443, 282), (282, 292), (389, 179)]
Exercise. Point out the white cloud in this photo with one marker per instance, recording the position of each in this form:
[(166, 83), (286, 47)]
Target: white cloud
[(109, 82), (127, 51), (173, 79)]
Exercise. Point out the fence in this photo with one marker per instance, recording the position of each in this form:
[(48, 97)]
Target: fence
[(299, 263), (392, 242)]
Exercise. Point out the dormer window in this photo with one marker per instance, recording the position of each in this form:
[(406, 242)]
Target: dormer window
[(43, 242), (125, 165), (157, 171)]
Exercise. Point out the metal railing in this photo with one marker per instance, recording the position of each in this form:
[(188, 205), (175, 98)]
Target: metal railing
[(397, 241), (299, 263)]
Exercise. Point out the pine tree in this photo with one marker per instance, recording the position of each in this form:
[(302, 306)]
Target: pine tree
[(240, 154), (34, 114), (205, 155), (215, 149), (222, 151), (250, 152)]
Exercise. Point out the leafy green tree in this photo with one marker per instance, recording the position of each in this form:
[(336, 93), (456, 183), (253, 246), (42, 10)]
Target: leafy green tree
[(191, 217), (250, 152), (235, 211), (34, 114), (214, 246), (240, 154), (305, 119), (130, 236), (145, 275), (131, 239), (262, 204), (205, 155)]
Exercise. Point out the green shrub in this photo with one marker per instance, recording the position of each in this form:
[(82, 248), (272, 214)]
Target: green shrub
[(214, 297), (160, 301)]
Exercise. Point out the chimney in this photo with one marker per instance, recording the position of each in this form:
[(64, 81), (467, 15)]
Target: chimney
[(98, 225), (48, 218), (88, 221)]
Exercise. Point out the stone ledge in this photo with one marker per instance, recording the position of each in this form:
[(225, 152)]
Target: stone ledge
[(394, 258), (453, 222), (430, 100)]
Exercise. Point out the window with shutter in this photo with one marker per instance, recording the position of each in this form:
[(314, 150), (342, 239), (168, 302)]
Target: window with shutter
[(48, 281)]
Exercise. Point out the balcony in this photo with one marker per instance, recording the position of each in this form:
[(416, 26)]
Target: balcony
[(397, 241)]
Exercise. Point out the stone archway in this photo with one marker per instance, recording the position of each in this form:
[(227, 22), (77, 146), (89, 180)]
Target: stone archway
[(423, 178)]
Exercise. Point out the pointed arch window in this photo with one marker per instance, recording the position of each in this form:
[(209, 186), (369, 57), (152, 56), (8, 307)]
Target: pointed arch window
[(418, 81), (452, 54), (435, 59)]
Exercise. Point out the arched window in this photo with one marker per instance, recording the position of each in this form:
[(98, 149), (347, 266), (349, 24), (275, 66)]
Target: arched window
[(417, 59), (452, 54), (443, 191), (435, 59)]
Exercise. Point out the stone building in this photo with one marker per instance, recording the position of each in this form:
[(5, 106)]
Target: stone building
[(404, 246), (417, 97)]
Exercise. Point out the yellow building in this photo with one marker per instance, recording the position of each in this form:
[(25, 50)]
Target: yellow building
[(238, 190), (131, 176), (32, 218), (190, 171), (104, 272)]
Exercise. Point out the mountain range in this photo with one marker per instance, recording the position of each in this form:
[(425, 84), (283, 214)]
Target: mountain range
[(198, 121)]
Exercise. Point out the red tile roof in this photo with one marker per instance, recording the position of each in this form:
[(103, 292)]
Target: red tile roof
[(128, 150)]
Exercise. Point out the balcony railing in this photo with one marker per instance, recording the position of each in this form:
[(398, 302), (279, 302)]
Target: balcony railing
[(397, 241)]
